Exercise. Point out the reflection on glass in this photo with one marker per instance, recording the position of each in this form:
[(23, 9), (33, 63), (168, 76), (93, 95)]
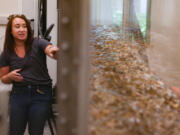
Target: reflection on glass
[(114, 12), (106, 12), (141, 14)]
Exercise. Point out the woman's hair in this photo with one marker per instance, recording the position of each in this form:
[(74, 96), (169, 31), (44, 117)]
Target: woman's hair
[(9, 39)]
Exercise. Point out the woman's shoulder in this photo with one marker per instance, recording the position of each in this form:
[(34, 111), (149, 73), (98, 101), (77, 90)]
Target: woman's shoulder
[(4, 53), (35, 39), (40, 43), (4, 57), (39, 40)]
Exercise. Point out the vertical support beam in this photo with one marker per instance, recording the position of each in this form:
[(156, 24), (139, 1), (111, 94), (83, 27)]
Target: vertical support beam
[(126, 19), (131, 27), (126, 14), (148, 24), (72, 77), (82, 39), (67, 91)]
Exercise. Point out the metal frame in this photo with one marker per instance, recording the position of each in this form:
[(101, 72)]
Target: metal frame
[(72, 66)]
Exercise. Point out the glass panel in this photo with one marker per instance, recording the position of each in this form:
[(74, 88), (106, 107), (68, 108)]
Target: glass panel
[(130, 78), (164, 40)]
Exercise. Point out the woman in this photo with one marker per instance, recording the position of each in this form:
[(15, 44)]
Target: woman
[(23, 63)]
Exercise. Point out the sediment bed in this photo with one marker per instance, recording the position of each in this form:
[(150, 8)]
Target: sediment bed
[(126, 97)]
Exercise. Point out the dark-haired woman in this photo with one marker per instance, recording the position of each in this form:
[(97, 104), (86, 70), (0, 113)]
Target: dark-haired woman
[(23, 63)]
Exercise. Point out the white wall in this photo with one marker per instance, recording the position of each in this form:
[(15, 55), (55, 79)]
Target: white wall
[(10, 6), (2, 31)]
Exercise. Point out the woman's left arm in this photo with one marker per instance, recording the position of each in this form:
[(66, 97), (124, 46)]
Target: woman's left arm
[(51, 51)]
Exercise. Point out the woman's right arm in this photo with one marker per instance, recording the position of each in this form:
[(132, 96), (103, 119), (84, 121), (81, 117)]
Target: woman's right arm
[(176, 90), (7, 77)]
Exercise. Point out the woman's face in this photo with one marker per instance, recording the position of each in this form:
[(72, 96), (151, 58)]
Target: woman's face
[(19, 29)]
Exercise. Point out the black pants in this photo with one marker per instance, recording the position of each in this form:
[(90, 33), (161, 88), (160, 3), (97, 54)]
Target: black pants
[(30, 105)]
